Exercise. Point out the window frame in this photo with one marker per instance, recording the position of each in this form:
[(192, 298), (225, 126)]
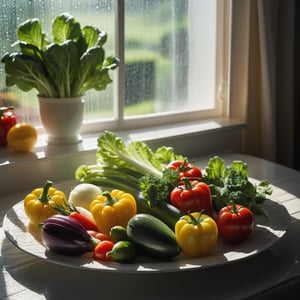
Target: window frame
[(119, 121)]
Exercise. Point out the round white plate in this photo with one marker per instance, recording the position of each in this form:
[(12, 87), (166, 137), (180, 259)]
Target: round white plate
[(28, 239)]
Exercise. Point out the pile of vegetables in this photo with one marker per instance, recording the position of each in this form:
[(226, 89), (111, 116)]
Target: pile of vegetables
[(134, 201)]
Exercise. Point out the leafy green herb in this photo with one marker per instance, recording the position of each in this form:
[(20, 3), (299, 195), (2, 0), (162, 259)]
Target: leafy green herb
[(71, 64), (231, 183)]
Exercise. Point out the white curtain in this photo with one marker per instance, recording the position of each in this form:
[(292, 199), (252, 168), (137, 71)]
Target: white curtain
[(263, 82)]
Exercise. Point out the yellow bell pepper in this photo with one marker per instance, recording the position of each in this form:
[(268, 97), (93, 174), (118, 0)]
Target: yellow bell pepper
[(196, 234), (38, 204), (111, 209)]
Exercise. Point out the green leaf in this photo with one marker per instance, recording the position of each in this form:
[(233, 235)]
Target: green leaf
[(62, 63), (26, 73), (65, 27), (98, 81), (32, 51), (215, 168), (94, 37), (31, 32), (111, 63), (167, 154), (135, 155), (240, 167)]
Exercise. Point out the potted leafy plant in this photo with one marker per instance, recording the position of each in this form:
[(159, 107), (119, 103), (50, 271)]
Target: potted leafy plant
[(61, 71)]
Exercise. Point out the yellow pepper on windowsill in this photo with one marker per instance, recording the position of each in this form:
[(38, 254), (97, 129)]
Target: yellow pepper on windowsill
[(38, 204), (111, 209), (196, 234)]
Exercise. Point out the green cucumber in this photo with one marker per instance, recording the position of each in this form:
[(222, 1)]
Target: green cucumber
[(152, 237), (118, 233), (166, 212), (123, 251)]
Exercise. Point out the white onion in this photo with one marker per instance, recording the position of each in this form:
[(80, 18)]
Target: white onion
[(83, 194)]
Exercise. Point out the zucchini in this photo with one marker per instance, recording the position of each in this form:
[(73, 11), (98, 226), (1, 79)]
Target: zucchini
[(152, 236), (166, 212)]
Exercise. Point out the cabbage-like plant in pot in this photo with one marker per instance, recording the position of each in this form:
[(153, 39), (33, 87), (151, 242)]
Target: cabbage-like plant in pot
[(61, 70)]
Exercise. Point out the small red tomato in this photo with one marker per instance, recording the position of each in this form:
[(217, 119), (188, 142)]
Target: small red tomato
[(101, 249), (192, 196), (235, 223), (185, 169), (99, 235), (7, 120)]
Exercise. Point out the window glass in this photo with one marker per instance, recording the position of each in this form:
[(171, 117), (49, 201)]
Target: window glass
[(170, 55), (169, 50)]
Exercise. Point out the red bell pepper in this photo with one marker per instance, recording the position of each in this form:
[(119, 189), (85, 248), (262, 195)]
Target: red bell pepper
[(235, 223), (185, 169), (192, 196), (7, 120)]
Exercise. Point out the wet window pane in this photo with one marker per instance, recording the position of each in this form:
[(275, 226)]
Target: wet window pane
[(170, 56)]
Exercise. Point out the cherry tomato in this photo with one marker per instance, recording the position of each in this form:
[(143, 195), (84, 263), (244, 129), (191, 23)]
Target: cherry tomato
[(192, 196), (101, 249), (185, 169), (235, 223), (99, 235)]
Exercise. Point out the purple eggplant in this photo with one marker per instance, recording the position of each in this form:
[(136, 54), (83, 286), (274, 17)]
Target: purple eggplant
[(65, 235)]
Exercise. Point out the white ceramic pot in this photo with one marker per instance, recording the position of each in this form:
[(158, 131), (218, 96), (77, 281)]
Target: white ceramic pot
[(62, 119)]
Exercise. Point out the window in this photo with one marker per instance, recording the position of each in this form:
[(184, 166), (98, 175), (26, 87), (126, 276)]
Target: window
[(172, 58)]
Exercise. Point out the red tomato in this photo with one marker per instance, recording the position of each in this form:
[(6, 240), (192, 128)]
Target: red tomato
[(192, 196), (235, 223), (7, 120), (99, 235), (99, 252), (185, 169)]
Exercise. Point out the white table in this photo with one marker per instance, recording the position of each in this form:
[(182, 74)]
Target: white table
[(274, 271)]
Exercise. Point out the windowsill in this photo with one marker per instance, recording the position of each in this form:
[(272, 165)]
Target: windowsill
[(59, 162)]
